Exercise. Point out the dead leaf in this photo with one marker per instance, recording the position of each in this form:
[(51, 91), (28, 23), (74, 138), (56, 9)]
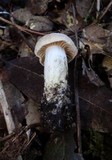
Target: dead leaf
[(93, 77), (37, 7), (83, 7), (96, 34), (95, 48), (26, 74), (22, 15), (39, 23), (66, 17), (71, 20), (25, 50), (95, 106)]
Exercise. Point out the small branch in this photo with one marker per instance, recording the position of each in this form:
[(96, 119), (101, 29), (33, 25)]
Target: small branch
[(76, 91), (26, 41), (21, 131), (23, 37), (77, 109), (106, 10), (91, 8), (26, 30)]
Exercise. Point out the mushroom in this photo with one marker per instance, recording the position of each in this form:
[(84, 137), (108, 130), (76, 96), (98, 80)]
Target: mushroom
[(55, 50)]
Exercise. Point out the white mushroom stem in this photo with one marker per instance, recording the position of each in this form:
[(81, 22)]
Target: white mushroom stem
[(55, 72), (55, 51)]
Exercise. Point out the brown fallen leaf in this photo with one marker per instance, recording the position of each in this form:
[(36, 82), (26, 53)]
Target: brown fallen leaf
[(22, 15), (95, 106), (37, 7), (83, 7), (39, 23), (96, 33), (70, 17), (95, 48), (26, 74), (93, 77)]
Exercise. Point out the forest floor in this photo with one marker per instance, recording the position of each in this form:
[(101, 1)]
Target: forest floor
[(89, 24)]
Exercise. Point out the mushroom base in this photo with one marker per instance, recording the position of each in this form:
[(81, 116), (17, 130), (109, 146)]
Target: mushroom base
[(57, 114)]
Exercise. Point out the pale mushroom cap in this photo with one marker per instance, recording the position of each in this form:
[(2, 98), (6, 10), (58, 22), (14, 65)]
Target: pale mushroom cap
[(59, 39)]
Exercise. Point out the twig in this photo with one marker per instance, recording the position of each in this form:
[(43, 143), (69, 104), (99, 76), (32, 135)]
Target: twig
[(26, 41), (106, 10), (94, 105), (20, 132), (9, 136), (77, 108), (23, 37), (26, 30), (33, 136), (76, 92)]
